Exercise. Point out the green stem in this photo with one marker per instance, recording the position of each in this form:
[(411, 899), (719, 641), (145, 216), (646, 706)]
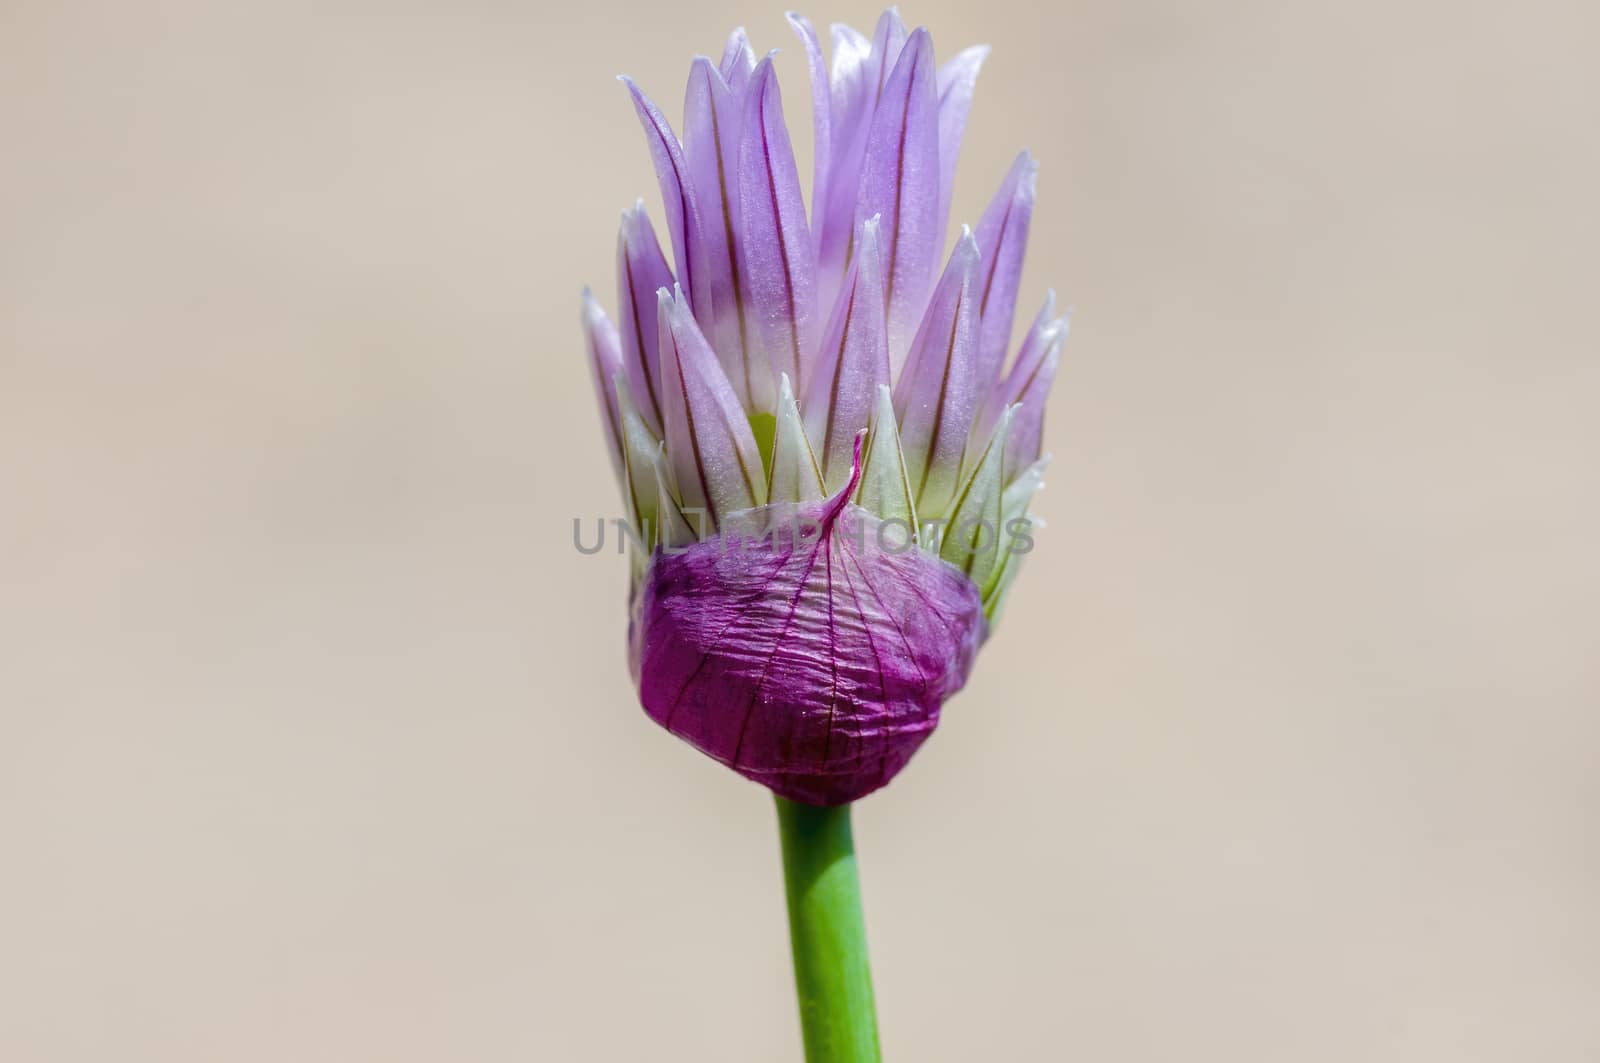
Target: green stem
[(827, 934)]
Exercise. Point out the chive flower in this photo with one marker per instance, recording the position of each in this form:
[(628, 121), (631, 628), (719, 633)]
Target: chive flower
[(825, 452)]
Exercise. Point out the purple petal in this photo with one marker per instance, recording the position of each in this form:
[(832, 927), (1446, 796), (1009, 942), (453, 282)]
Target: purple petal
[(738, 61), (1003, 239), (677, 196), (957, 78), (641, 272), (820, 121), (814, 664), (833, 210), (900, 181), (778, 257), (710, 447), (711, 123), (936, 396), (1039, 336), (852, 363), (847, 79), (1027, 387), (605, 362), (888, 41)]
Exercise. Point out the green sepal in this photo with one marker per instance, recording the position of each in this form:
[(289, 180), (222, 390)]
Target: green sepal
[(794, 476), (672, 528), (639, 450), (1014, 504), (971, 540), (885, 487)]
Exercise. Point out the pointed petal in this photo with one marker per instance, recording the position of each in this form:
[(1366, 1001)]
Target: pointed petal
[(888, 41), (900, 181), (885, 488), (738, 58), (710, 448), (1045, 324), (850, 104), (779, 260), (795, 477), (678, 197), (711, 122), (852, 362), (851, 52), (1003, 239), (1019, 492), (972, 540), (640, 446), (1027, 387), (1039, 336), (738, 42), (936, 397), (956, 80), (605, 363), (641, 272), (673, 529), (822, 135), (1016, 534), (738, 61)]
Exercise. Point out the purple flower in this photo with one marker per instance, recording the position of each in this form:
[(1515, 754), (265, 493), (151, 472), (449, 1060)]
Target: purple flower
[(817, 433)]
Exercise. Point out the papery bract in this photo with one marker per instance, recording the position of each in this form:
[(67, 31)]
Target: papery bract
[(799, 651)]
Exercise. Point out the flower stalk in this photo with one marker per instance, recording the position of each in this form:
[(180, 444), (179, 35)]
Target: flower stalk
[(827, 934)]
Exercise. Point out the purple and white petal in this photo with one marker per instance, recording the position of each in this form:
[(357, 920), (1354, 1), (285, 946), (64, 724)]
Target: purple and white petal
[(712, 117), (605, 363), (711, 450), (900, 181), (738, 61), (1040, 335), (852, 362), (678, 199), (1003, 239), (1027, 387), (936, 397), (833, 211), (642, 271), (821, 122), (888, 41), (778, 258), (956, 82)]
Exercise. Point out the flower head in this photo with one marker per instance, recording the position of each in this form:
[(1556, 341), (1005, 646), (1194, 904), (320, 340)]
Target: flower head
[(821, 445)]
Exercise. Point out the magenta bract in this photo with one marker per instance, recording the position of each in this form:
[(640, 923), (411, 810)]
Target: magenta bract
[(802, 649)]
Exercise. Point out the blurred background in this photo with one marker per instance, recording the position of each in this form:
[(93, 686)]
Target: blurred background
[(316, 738)]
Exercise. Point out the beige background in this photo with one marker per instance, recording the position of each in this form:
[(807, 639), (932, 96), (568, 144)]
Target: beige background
[(315, 739)]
